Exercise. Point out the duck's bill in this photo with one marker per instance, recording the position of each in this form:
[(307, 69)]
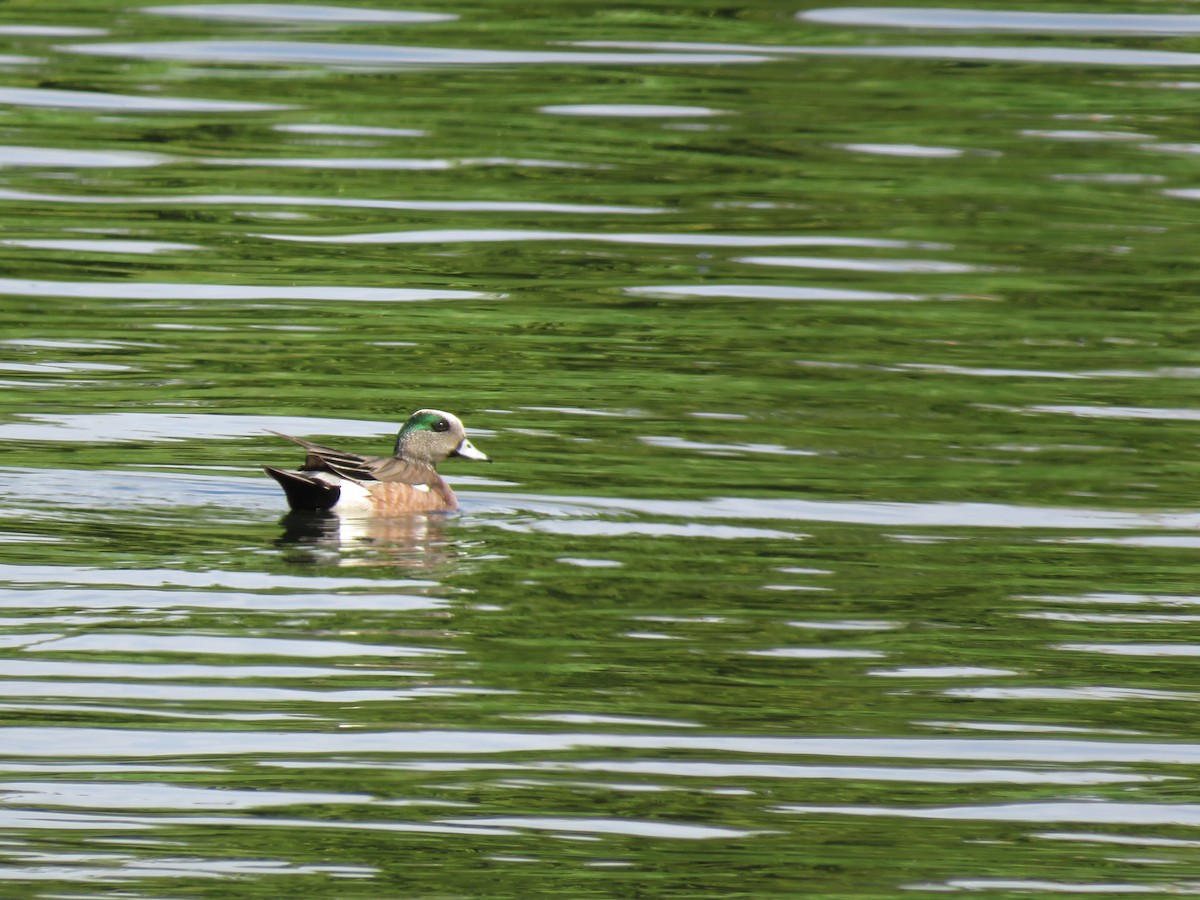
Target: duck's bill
[(467, 449)]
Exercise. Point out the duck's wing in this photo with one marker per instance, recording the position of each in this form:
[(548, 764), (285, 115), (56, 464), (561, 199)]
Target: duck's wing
[(394, 469), (319, 458), (387, 469)]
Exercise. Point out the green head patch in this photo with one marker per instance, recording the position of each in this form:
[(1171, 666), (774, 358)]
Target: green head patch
[(427, 420)]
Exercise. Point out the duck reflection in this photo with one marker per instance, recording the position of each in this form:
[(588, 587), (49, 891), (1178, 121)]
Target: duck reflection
[(413, 541)]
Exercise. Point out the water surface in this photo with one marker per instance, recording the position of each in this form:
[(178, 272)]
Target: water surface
[(835, 361)]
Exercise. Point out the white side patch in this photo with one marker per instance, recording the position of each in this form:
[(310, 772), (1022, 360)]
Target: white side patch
[(421, 487), (355, 498)]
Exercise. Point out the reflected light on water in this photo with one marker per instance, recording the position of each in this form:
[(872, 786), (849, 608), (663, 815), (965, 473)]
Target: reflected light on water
[(1044, 55), (769, 292), (629, 110), (914, 266), (1096, 813), (370, 55), (102, 246), (232, 292), (234, 200), (50, 157), (313, 14), (1005, 20), (682, 239), (52, 98), (914, 150)]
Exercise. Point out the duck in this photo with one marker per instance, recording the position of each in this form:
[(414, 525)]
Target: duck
[(405, 482)]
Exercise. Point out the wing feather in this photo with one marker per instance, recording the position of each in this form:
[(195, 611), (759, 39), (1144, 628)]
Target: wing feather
[(354, 467)]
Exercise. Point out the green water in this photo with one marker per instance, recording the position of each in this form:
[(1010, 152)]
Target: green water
[(841, 536)]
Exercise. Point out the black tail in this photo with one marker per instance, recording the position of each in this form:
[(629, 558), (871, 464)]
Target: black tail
[(304, 491)]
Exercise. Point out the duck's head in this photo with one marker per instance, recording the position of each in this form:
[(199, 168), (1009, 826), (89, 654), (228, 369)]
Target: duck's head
[(430, 435)]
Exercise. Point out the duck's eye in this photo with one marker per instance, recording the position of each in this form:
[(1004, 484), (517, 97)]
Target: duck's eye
[(441, 425)]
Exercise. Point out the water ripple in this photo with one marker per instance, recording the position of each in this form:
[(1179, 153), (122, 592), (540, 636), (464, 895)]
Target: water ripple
[(373, 55), (1111, 813), (914, 150), (930, 775), (688, 239), (769, 292), (1003, 20), (234, 200), (626, 827), (52, 157), (1076, 694), (128, 103), (908, 266), (1116, 412), (309, 14), (123, 743), (178, 426), (73, 245), (676, 443), (154, 795), (129, 688), (238, 646), (51, 31), (213, 578), (125, 671), (629, 110), (353, 130), (940, 514), (164, 600), (395, 164), (584, 528), (1134, 649), (1080, 56), (144, 290)]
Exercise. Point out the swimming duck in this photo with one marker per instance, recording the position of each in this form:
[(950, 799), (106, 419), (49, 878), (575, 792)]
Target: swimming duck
[(405, 482)]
